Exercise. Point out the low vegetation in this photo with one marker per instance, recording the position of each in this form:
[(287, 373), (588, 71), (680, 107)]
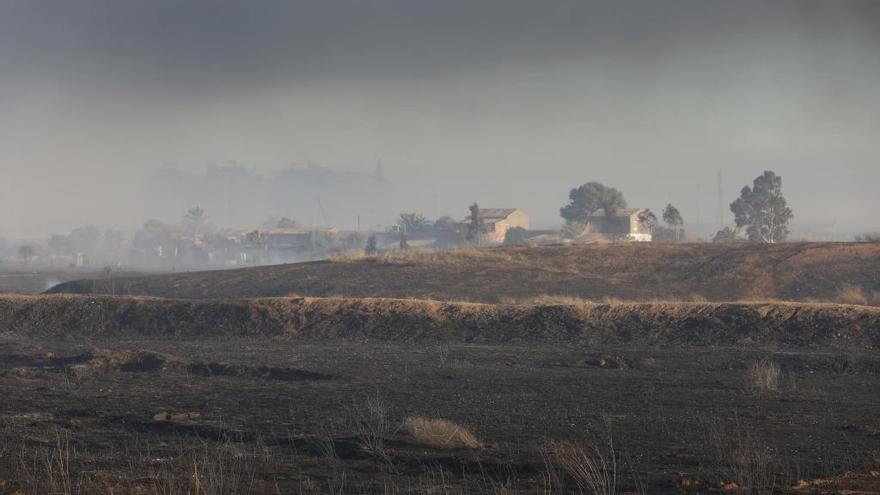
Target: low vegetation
[(612, 322), (853, 294), (439, 434), (592, 469), (764, 376)]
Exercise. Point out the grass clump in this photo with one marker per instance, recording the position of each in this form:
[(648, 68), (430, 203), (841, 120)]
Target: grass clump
[(440, 434), (764, 376), (593, 470), (853, 294)]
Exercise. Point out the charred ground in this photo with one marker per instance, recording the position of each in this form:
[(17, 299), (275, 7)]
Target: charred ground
[(633, 271), (215, 390)]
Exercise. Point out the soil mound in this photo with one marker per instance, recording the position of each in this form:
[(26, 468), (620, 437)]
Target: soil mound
[(830, 272), (798, 325), (98, 360)]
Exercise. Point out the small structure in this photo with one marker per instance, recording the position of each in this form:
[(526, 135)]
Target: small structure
[(497, 221), (628, 223)]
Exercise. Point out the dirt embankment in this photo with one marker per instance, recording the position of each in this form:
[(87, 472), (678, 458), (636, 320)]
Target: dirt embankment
[(635, 272), (797, 325)]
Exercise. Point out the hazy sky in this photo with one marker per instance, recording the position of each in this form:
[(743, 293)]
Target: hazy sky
[(507, 102)]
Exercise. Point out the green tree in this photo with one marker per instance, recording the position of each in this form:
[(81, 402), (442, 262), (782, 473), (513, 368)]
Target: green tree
[(475, 225), (412, 222), (371, 248), (672, 217), (156, 235), (590, 197), (515, 235), (573, 229), (288, 223), (762, 209), (726, 235), (647, 217), (196, 220), (449, 231), (446, 223)]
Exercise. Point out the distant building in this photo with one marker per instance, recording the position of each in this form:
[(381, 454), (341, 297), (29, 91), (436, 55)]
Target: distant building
[(277, 245), (626, 222), (497, 221)]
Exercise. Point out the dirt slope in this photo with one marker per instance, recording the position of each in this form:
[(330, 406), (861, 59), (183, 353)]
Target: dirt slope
[(782, 324), (717, 272)]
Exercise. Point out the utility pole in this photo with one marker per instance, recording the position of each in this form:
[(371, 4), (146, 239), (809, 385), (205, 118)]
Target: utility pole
[(719, 219), (699, 205)]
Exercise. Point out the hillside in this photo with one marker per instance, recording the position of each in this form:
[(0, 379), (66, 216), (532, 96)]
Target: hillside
[(790, 325), (636, 272)]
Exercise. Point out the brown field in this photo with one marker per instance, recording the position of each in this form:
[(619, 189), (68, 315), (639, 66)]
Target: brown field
[(633, 272), (542, 382)]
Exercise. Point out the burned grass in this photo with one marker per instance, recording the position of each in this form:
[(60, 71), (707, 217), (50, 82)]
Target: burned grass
[(673, 421), (627, 272)]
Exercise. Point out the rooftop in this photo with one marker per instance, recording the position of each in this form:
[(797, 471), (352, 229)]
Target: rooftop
[(620, 212), (496, 213)]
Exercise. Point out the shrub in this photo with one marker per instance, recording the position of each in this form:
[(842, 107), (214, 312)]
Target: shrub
[(371, 425), (764, 376), (868, 237), (852, 294), (440, 434), (592, 469)]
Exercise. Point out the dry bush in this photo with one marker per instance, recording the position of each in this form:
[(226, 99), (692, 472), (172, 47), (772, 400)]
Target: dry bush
[(764, 376), (371, 425), (455, 257), (440, 434), (697, 298), (222, 470), (51, 470), (593, 469), (742, 456), (557, 300), (852, 294)]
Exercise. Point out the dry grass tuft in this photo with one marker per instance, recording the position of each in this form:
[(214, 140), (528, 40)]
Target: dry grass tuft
[(372, 425), (853, 294), (440, 434), (764, 376), (592, 469), (556, 300)]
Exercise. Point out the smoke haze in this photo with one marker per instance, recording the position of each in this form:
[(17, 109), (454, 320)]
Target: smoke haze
[(510, 103)]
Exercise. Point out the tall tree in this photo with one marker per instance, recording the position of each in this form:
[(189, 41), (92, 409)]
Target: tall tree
[(155, 235), (648, 218), (672, 217), (762, 209), (371, 248), (412, 222), (26, 252), (590, 197), (726, 235), (288, 223), (196, 219), (475, 226)]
